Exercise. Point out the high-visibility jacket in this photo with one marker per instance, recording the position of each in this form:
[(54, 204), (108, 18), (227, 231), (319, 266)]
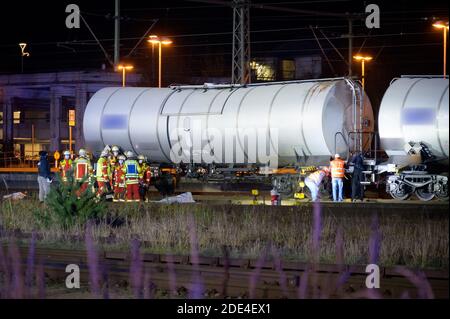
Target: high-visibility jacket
[(131, 168), (103, 171), (145, 174), (83, 168), (316, 177), (337, 168), (64, 167), (119, 180)]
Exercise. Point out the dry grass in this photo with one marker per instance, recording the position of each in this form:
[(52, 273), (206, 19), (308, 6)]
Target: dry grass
[(417, 239)]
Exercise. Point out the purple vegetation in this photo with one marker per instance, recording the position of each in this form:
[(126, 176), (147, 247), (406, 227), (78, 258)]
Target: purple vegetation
[(92, 259), (197, 286), (136, 268)]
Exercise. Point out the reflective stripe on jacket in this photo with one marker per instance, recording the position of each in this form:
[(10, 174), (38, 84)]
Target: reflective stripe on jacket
[(337, 168)]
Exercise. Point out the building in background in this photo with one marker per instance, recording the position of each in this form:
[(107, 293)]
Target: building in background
[(35, 110)]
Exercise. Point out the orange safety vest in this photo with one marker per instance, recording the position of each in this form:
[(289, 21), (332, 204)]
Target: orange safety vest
[(337, 168)]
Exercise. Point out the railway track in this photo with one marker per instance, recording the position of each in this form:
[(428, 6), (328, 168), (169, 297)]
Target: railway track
[(221, 277)]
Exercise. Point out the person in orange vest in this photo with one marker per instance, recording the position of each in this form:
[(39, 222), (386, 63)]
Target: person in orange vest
[(132, 169), (313, 181), (119, 180), (83, 170), (337, 168), (65, 166), (103, 174)]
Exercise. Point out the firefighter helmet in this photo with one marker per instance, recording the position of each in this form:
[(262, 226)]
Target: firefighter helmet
[(141, 157), (82, 152), (66, 153), (129, 154), (115, 148), (104, 154), (121, 157)]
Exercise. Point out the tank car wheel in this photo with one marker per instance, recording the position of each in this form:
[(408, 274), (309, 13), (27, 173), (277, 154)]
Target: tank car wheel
[(442, 193), (402, 192), (423, 194)]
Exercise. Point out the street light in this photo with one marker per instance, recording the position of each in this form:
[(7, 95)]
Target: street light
[(124, 69), (444, 26), (22, 46), (363, 60), (154, 39)]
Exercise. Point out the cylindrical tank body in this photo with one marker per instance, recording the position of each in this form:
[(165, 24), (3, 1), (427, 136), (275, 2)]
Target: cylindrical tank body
[(415, 110), (298, 120)]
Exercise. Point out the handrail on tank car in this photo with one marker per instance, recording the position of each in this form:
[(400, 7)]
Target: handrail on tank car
[(225, 86), (343, 138), (412, 76)]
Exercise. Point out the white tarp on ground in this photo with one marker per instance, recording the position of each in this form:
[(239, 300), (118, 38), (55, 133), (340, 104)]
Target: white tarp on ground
[(15, 196), (182, 198)]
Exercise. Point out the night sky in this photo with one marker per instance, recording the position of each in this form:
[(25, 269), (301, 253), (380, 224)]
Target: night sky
[(406, 43)]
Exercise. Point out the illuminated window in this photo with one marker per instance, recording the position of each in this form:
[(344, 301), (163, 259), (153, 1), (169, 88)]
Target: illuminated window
[(288, 69), (263, 71), (17, 117)]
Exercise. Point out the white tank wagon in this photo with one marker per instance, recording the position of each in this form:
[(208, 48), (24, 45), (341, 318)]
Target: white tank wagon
[(414, 129), (312, 120)]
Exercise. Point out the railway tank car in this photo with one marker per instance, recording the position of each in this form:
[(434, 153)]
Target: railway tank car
[(307, 116), (413, 126)]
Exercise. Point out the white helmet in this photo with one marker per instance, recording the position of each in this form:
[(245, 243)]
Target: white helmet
[(129, 154), (115, 148), (82, 152), (104, 154), (337, 155), (66, 153), (141, 157)]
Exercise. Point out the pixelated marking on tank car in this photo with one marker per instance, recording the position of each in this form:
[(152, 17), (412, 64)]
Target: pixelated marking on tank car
[(114, 122), (418, 116)]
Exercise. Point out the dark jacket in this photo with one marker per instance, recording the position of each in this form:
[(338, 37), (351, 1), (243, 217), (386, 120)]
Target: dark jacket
[(358, 162), (44, 167)]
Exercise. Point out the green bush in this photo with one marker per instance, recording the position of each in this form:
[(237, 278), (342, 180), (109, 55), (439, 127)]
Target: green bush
[(67, 208)]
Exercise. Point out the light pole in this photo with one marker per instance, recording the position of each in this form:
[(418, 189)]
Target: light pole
[(363, 60), (444, 26), (22, 46), (124, 69), (154, 39)]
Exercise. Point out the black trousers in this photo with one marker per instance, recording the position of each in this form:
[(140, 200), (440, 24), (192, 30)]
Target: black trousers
[(357, 188)]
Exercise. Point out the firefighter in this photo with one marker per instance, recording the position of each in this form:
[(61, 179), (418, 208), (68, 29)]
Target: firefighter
[(65, 166), (83, 170), (337, 168), (144, 177), (119, 181), (313, 181), (103, 174), (113, 162), (132, 169)]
